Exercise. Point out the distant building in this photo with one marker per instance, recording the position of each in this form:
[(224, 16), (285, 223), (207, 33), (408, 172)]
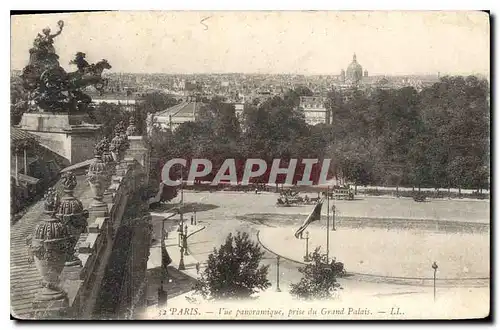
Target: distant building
[(238, 109), (128, 104), (314, 109), (354, 72), (172, 117)]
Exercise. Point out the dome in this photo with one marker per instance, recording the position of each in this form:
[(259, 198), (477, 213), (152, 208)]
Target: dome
[(97, 166), (115, 143), (71, 213), (125, 143), (119, 142), (51, 229), (107, 158), (354, 71), (70, 206)]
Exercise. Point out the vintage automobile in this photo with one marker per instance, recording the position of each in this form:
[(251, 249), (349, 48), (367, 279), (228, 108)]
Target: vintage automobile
[(289, 197), (341, 192), (419, 197)]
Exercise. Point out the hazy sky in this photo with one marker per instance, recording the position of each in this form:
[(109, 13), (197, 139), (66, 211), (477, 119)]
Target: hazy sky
[(266, 42)]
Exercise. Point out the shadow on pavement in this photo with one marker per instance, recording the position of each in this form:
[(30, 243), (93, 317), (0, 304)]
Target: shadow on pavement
[(187, 208), (180, 284)]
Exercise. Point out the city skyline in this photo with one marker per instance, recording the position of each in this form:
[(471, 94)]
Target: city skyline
[(302, 43)]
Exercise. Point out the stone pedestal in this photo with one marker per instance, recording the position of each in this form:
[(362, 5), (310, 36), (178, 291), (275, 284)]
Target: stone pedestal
[(69, 135), (139, 151), (98, 209), (50, 309)]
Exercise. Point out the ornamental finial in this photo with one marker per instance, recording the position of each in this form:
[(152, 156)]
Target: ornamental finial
[(51, 201), (68, 181)]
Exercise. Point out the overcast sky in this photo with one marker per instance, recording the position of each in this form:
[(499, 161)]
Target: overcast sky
[(266, 42)]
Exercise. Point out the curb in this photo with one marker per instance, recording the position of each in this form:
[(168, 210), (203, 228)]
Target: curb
[(270, 251), (410, 281)]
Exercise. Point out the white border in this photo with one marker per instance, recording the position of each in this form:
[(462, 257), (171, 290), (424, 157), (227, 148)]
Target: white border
[(190, 5)]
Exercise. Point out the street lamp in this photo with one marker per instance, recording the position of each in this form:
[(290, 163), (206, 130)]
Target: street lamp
[(334, 209), (162, 294), (184, 243), (278, 274), (181, 262), (306, 256), (179, 231), (435, 267)]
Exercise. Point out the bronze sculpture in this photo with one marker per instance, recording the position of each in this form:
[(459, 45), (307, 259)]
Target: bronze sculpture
[(50, 87)]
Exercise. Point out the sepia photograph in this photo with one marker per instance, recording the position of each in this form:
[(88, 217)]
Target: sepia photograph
[(250, 165)]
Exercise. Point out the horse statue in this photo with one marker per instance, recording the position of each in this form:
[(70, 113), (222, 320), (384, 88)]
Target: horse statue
[(88, 74), (49, 86)]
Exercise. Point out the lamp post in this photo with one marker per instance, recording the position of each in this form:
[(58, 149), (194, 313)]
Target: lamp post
[(278, 274), (162, 294), (306, 256), (181, 207), (327, 223), (334, 210), (435, 267), (179, 231), (184, 241), (181, 262)]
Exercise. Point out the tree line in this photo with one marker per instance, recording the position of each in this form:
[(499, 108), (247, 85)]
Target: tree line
[(437, 137)]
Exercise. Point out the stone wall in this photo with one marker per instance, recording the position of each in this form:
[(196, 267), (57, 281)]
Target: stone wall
[(114, 250), (79, 146), (58, 143), (71, 136), (99, 286)]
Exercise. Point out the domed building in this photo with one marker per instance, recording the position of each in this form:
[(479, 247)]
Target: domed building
[(354, 73)]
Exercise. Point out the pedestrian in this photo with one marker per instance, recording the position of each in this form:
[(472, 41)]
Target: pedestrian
[(192, 220), (197, 268)]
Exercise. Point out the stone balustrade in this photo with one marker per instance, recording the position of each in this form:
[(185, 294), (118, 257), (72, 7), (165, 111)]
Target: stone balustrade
[(87, 283)]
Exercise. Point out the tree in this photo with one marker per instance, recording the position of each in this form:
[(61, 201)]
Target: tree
[(319, 279), (18, 100), (234, 271), (109, 115), (292, 96), (156, 101)]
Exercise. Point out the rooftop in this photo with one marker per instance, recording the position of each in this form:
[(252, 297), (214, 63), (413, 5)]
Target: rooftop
[(18, 135)]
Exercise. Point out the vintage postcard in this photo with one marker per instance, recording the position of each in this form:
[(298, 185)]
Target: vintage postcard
[(263, 165)]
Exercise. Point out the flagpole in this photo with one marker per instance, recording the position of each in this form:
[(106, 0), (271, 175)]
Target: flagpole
[(327, 222)]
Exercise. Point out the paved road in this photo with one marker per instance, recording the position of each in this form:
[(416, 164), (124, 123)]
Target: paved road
[(229, 208)]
